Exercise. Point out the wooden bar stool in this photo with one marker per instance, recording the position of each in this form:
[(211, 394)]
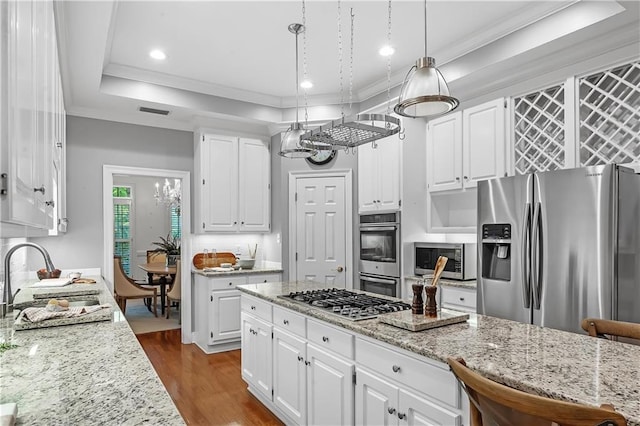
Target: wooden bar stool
[(608, 328), (492, 403)]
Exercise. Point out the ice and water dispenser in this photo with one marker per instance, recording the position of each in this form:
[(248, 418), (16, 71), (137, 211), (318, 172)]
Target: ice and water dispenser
[(496, 251)]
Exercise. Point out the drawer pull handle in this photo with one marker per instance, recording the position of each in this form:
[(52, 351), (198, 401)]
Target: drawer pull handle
[(462, 299), (230, 283), (395, 368), (300, 358), (253, 308), (307, 363), (285, 322), (391, 410), (325, 339), (402, 416)]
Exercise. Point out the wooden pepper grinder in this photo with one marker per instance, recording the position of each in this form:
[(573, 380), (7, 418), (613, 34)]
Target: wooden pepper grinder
[(417, 305), (431, 307)]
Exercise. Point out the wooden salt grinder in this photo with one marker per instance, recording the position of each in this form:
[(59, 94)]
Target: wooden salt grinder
[(417, 305)]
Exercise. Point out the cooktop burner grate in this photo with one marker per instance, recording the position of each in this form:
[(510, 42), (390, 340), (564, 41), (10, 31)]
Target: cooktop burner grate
[(347, 304)]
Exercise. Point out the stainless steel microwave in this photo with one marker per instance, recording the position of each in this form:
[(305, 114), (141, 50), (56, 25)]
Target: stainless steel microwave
[(460, 266)]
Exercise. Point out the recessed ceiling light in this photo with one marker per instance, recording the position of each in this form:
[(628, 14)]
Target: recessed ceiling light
[(306, 84), (386, 50), (158, 54)]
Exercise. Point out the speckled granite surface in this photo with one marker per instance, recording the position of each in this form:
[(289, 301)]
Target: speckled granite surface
[(553, 363), (254, 271), (95, 373), (470, 284)]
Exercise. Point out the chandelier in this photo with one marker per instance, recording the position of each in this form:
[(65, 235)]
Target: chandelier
[(170, 197)]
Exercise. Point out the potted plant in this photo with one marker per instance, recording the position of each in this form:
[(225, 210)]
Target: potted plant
[(170, 246)]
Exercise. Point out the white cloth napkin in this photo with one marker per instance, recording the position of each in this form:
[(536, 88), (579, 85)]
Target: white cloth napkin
[(41, 314)]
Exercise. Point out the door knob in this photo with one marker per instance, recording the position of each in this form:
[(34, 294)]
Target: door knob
[(339, 269)]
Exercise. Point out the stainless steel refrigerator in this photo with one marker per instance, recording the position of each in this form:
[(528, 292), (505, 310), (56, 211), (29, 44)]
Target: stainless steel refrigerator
[(559, 246)]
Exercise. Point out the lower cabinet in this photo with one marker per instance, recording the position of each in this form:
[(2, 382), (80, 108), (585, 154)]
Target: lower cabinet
[(308, 372), (458, 298), (217, 309)]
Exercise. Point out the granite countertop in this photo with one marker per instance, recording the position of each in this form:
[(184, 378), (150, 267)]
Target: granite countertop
[(553, 363), (93, 373), (470, 284), (253, 271)]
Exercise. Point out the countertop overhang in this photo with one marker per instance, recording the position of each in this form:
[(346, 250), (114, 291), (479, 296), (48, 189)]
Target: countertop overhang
[(253, 271), (547, 362)]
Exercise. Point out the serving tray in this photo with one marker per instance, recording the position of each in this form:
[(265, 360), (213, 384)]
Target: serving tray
[(221, 257), (419, 322)]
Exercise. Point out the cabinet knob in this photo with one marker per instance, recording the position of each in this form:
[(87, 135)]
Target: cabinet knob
[(41, 189), (325, 339), (230, 283), (466, 178), (300, 358), (242, 223), (402, 416), (285, 322), (462, 299), (395, 368), (457, 179), (235, 223), (253, 308), (307, 363), (50, 203), (391, 410)]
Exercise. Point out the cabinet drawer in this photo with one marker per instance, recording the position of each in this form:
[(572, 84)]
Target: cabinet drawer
[(430, 379), (330, 338), (290, 321), (225, 283), (257, 307), (263, 278), (458, 297)]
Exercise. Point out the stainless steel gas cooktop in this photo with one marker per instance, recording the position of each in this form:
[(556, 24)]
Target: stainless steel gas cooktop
[(347, 304)]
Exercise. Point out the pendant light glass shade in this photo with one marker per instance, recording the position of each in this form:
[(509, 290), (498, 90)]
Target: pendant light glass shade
[(425, 92), (290, 145)]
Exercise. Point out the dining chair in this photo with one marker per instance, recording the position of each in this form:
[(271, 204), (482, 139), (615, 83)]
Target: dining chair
[(597, 327), (492, 403), (126, 288), (158, 257), (173, 295)]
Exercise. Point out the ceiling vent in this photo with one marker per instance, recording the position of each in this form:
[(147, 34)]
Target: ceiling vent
[(154, 111)]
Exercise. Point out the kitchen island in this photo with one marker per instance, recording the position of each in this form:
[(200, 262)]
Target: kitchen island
[(92, 373), (547, 362)]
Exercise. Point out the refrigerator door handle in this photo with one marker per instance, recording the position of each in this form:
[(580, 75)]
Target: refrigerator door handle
[(526, 256), (536, 257)]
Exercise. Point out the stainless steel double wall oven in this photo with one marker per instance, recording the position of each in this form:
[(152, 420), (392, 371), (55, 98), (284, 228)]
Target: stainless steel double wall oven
[(379, 264)]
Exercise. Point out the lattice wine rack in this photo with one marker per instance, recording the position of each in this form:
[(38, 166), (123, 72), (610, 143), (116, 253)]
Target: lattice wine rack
[(539, 130), (610, 116)]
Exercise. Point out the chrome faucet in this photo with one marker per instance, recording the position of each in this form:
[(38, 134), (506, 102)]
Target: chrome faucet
[(7, 299)]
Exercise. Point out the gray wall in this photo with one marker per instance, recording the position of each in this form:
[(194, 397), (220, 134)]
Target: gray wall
[(278, 240), (90, 145)]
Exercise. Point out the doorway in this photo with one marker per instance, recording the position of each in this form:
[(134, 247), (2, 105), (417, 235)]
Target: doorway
[(321, 227), (108, 173)]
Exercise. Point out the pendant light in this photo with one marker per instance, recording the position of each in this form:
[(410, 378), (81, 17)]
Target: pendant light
[(424, 92), (290, 146)]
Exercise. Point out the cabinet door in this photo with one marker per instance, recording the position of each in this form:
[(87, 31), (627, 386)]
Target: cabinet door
[(224, 316), (367, 178), (444, 153), (416, 410), (388, 174), (329, 389), (254, 185), (376, 400), (264, 345), (289, 375), (219, 186), (249, 351), (483, 142)]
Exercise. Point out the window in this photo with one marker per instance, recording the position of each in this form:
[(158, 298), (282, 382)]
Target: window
[(122, 225), (176, 221)]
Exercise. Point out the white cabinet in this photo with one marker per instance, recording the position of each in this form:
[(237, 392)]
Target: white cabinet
[(256, 353), (290, 375), (31, 117), (217, 309), (457, 298), (234, 184), (379, 175), (466, 147)]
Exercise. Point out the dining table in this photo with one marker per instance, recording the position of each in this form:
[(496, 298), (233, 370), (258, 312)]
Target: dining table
[(159, 268)]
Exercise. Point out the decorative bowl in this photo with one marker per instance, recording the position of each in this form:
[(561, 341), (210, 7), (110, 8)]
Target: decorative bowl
[(246, 263), (44, 274)]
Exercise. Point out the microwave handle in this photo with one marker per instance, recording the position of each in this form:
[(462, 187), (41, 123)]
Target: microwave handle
[(379, 228), (378, 280)]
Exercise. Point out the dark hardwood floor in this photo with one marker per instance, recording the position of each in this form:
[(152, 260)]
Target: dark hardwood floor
[(207, 389)]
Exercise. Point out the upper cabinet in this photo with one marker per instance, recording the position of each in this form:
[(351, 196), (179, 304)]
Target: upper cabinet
[(32, 121), (379, 175), (233, 176), (466, 147)]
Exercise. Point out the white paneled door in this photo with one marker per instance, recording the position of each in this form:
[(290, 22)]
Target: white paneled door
[(321, 238)]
